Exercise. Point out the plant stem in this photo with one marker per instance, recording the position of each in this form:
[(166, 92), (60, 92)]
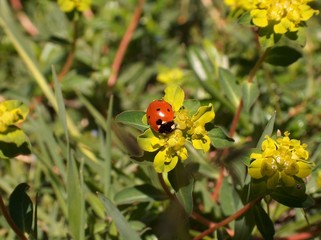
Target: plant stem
[(235, 121), (165, 188), (229, 219), (124, 43), (70, 59)]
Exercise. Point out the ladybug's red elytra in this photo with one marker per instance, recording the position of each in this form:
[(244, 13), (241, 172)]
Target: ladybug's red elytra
[(160, 116)]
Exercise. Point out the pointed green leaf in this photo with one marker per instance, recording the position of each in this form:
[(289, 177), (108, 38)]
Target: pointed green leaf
[(21, 208), (226, 198), (140, 193), (231, 89), (299, 36), (294, 196), (263, 223), (219, 139), (244, 226), (108, 148), (99, 119), (75, 201), (267, 131), (282, 56), (204, 70), (183, 183), (250, 92), (132, 118), (61, 104), (192, 105), (13, 142), (122, 225)]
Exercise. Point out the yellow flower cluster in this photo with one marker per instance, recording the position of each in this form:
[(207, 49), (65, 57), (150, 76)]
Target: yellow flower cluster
[(240, 4), (10, 114), (283, 15), (170, 148), (280, 162), (69, 5), (171, 76)]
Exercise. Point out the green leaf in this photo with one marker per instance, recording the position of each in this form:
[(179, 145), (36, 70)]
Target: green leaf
[(227, 198), (13, 142), (245, 19), (21, 208), (61, 104), (282, 56), (268, 130), (140, 193), (75, 201), (244, 226), (263, 222), (250, 92), (132, 118), (13, 30), (294, 196), (107, 150), (123, 226), (299, 36), (231, 89), (267, 37), (219, 139), (183, 183), (204, 70), (99, 119), (192, 105)]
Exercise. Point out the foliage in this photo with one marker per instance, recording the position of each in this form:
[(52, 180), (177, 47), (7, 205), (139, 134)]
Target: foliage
[(77, 77)]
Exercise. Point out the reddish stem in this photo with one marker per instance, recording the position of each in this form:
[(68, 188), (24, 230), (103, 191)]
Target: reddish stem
[(70, 59), (24, 20), (228, 219), (124, 43), (165, 187), (235, 121)]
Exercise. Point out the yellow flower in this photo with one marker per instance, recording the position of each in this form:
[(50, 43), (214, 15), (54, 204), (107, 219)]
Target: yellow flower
[(170, 147), (11, 113), (69, 5), (283, 15), (280, 161), (171, 76), (240, 4)]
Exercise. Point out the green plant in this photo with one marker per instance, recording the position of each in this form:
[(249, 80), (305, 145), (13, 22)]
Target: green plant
[(96, 169)]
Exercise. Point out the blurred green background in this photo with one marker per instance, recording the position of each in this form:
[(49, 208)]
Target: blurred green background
[(195, 36)]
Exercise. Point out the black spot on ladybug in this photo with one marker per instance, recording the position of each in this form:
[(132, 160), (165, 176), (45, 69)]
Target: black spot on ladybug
[(167, 127), (159, 122), (158, 109)]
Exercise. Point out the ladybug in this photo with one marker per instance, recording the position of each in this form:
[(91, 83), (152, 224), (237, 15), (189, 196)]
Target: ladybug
[(160, 116)]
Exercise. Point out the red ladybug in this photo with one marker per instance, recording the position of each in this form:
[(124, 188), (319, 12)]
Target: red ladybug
[(160, 116)]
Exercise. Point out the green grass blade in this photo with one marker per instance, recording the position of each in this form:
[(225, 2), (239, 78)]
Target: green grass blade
[(108, 149), (20, 44), (61, 105), (18, 40), (123, 226), (75, 202)]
